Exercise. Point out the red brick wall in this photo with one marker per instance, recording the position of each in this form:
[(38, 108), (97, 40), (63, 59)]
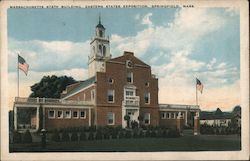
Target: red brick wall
[(102, 112), (154, 115), (118, 72), (65, 122)]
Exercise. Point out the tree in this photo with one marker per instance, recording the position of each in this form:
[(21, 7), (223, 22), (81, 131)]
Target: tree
[(51, 86)]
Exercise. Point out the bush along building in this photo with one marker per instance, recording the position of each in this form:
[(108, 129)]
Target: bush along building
[(118, 92)]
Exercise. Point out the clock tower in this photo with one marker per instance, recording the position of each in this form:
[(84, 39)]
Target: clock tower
[(99, 51)]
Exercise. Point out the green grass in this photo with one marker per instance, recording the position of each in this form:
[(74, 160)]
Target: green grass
[(185, 143)]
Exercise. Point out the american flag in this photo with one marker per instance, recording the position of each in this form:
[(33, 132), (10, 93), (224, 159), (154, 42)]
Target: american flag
[(23, 65), (199, 85)]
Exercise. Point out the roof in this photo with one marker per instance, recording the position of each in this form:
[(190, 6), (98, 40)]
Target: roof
[(81, 85), (204, 115), (100, 26), (178, 107)]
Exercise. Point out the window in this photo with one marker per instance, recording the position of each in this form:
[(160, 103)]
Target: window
[(129, 93), (92, 95), (172, 115), (169, 115), (163, 115), (147, 97), (110, 118), (111, 81), (147, 118), (100, 33), (129, 64), (51, 114), (100, 49), (147, 84), (67, 114), (60, 114), (104, 50), (75, 114), (111, 94), (82, 115), (130, 77)]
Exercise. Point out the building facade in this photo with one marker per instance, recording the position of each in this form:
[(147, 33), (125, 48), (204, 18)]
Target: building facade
[(115, 88)]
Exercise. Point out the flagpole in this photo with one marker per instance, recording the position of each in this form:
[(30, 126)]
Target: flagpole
[(196, 94), (17, 77)]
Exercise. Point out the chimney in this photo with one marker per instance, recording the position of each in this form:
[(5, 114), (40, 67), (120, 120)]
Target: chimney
[(128, 53)]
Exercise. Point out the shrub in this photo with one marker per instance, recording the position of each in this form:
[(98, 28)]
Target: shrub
[(147, 133), (91, 136), (98, 135), (56, 136), (135, 134), (83, 136), (173, 133), (27, 137), (17, 137), (114, 134), (153, 133), (121, 134), (74, 136), (141, 134), (65, 136), (128, 134), (134, 124)]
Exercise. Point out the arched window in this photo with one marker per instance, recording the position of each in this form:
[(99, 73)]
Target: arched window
[(100, 49), (104, 50), (100, 33)]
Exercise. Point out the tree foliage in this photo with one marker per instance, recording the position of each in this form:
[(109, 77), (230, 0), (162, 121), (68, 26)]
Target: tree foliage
[(51, 86)]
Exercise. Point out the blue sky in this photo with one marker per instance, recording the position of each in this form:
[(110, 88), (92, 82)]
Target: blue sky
[(180, 44)]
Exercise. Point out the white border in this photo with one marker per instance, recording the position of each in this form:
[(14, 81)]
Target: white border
[(207, 155)]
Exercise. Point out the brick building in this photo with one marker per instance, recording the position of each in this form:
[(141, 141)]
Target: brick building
[(115, 87)]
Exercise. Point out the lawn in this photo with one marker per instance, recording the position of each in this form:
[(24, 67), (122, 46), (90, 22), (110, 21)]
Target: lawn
[(184, 143)]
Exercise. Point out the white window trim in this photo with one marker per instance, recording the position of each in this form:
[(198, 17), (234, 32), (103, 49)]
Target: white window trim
[(65, 116), (57, 114), (148, 98), (113, 91), (113, 118), (164, 115), (84, 115), (51, 117), (77, 114), (127, 64)]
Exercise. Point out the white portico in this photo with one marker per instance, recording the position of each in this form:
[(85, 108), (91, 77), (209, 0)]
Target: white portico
[(130, 104)]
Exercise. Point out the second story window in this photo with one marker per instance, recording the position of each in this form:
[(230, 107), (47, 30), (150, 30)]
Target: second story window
[(111, 95), (147, 98), (130, 77), (92, 95)]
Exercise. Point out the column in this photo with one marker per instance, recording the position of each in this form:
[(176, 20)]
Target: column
[(43, 109), (186, 116), (37, 118), (196, 124), (89, 116), (15, 117), (178, 122)]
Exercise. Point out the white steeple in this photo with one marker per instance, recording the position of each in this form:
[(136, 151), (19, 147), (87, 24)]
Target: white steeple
[(99, 50)]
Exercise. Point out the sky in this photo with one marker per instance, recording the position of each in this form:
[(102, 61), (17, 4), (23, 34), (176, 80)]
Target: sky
[(180, 44)]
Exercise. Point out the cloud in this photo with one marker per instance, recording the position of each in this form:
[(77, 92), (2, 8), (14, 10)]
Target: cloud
[(33, 77), (146, 19), (49, 55)]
